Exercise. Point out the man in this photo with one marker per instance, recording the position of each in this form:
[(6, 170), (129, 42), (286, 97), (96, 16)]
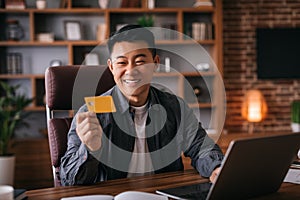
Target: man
[(149, 130)]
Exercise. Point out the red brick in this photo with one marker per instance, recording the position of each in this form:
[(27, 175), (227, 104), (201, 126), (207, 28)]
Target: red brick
[(241, 18)]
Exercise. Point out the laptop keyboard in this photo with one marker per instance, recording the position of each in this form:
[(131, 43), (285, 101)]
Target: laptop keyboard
[(195, 196), (196, 191)]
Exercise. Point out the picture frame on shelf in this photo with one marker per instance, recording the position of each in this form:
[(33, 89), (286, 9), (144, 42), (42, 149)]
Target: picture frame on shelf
[(73, 30), (91, 59)]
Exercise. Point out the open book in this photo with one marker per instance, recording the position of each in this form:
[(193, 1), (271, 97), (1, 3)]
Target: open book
[(132, 195)]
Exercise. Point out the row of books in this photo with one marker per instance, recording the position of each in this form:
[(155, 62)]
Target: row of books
[(15, 4), (14, 63), (201, 31), (196, 30), (201, 3)]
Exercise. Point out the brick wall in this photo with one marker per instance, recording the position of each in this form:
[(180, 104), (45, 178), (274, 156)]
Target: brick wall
[(240, 19)]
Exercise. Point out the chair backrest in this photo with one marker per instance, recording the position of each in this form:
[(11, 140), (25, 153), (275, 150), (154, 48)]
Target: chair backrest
[(66, 87)]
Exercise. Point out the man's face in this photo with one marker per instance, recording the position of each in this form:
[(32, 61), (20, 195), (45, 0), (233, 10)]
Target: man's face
[(132, 66)]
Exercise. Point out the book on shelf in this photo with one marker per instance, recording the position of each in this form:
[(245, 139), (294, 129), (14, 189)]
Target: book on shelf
[(63, 3), (200, 3), (15, 4), (170, 31), (14, 63), (132, 195), (130, 4), (202, 31), (101, 32), (45, 37)]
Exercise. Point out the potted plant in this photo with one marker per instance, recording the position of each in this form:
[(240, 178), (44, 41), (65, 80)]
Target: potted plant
[(146, 21), (11, 115), (295, 116)]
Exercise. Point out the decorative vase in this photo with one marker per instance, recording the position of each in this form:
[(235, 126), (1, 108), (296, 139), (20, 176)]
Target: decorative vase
[(103, 3), (7, 170), (41, 4), (151, 4), (295, 127), (14, 31)]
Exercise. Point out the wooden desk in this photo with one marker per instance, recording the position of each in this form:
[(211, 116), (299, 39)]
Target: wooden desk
[(147, 184)]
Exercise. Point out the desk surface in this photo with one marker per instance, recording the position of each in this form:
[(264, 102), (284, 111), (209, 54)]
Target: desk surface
[(147, 184)]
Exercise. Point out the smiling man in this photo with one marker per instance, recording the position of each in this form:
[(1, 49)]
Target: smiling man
[(132, 65), (148, 132)]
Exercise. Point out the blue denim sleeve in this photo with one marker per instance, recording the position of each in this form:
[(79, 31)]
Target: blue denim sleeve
[(203, 151), (206, 165), (78, 166)]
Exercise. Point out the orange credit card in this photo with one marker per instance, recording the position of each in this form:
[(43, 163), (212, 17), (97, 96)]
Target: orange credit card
[(100, 104)]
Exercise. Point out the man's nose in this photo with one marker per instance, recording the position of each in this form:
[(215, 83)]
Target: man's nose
[(131, 69), (131, 65)]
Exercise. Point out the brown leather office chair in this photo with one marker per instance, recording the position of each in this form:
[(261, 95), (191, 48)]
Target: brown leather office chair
[(66, 87)]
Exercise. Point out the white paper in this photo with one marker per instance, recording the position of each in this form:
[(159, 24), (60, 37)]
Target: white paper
[(135, 195), (132, 195), (293, 176), (90, 197)]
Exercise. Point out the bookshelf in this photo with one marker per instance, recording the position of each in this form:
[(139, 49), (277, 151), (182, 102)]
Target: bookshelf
[(180, 16)]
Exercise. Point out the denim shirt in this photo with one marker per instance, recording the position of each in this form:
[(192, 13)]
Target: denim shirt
[(171, 128)]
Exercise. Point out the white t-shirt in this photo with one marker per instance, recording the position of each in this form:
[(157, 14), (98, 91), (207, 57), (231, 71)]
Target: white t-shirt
[(141, 163)]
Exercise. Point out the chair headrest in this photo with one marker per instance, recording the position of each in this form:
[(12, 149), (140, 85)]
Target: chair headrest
[(66, 86)]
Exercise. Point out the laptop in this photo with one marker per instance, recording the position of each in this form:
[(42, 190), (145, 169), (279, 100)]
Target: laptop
[(251, 167)]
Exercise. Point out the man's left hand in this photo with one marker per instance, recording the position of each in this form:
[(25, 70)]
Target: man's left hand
[(214, 174)]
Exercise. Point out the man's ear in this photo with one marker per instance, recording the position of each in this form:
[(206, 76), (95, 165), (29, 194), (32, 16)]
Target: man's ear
[(156, 62), (110, 65)]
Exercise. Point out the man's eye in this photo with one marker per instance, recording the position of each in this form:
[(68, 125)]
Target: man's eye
[(121, 63), (140, 62)]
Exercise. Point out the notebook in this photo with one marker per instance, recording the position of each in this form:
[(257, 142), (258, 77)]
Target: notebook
[(251, 167)]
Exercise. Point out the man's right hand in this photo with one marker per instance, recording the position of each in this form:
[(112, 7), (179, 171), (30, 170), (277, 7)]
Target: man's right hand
[(89, 130)]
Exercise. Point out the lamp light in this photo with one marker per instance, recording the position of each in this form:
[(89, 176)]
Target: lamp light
[(254, 107)]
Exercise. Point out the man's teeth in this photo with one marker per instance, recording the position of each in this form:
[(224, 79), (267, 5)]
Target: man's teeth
[(131, 81)]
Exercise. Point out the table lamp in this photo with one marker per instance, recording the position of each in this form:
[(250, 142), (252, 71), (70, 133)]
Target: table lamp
[(254, 108)]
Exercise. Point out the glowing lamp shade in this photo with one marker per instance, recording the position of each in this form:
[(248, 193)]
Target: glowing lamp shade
[(254, 107)]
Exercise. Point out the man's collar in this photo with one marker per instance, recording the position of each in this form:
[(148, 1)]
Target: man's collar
[(122, 103)]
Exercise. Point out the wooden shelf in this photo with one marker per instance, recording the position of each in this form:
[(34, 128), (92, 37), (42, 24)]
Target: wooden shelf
[(22, 76), (200, 73), (71, 11), (110, 10), (95, 42), (55, 10), (201, 105), (55, 43), (156, 74), (35, 108)]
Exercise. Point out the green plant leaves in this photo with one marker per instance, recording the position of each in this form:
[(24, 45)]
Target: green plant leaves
[(146, 21), (11, 113), (295, 112)]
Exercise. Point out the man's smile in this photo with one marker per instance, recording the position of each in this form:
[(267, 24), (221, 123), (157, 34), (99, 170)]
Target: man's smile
[(131, 82)]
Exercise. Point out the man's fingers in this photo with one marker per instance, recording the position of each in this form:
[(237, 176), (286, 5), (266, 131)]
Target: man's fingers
[(86, 117), (82, 116), (89, 130), (214, 175)]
